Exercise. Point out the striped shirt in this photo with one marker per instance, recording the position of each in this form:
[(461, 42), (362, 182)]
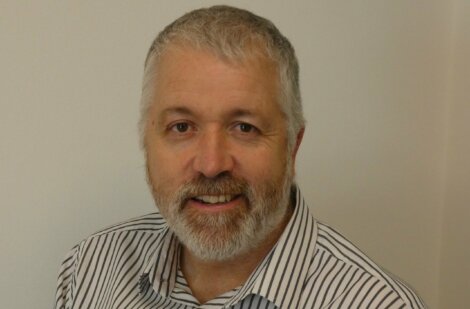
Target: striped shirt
[(135, 265)]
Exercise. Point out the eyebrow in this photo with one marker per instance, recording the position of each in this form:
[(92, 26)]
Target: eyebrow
[(176, 110), (241, 112), (181, 110)]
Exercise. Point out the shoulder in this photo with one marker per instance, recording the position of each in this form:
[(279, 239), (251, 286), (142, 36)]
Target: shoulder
[(152, 222), (354, 277), (123, 236), (129, 243)]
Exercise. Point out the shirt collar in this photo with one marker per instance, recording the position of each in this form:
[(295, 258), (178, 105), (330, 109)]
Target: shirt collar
[(285, 264), (281, 274), (160, 270)]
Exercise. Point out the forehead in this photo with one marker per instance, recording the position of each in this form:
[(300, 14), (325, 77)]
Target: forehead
[(175, 57), (186, 70)]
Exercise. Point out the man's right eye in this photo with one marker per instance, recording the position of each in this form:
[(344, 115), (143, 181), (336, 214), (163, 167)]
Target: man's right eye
[(180, 127)]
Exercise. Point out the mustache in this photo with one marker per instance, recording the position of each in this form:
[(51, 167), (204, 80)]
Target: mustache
[(220, 185)]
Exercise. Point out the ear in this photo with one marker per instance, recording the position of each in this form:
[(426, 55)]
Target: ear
[(298, 140)]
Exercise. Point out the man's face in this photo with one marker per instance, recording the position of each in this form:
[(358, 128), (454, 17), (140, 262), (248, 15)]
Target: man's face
[(216, 151)]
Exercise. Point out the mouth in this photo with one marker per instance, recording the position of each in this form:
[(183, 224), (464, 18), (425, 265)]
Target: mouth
[(213, 204), (215, 199)]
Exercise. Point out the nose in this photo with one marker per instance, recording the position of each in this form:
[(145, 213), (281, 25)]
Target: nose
[(213, 154)]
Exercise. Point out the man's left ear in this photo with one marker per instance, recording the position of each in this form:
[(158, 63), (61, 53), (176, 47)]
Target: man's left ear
[(298, 140)]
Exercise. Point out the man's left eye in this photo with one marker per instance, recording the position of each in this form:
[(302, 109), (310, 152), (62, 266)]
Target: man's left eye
[(246, 127)]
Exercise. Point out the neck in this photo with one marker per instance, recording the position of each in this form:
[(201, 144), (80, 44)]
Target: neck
[(209, 279)]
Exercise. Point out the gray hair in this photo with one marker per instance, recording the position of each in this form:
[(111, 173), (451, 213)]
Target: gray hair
[(232, 34)]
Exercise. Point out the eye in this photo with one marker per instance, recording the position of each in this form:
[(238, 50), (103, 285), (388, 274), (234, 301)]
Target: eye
[(246, 127), (181, 127)]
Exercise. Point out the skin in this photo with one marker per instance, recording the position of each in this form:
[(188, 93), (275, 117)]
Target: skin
[(211, 117)]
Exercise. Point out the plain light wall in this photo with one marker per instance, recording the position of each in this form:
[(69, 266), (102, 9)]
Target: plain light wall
[(374, 79), (455, 261)]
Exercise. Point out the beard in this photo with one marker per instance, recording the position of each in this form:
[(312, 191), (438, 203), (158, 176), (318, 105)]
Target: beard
[(222, 236)]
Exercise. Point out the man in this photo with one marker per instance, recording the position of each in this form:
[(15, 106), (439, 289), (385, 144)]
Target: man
[(221, 125)]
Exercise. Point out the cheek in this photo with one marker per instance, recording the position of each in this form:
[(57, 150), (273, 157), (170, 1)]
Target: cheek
[(266, 165), (166, 168), (156, 165)]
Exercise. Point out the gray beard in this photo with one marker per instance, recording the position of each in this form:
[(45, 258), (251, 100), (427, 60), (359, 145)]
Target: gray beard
[(220, 237)]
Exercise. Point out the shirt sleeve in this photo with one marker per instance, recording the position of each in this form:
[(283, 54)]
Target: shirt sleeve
[(66, 281)]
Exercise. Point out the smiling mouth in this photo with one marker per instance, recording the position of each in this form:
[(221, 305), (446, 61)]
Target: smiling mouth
[(215, 199)]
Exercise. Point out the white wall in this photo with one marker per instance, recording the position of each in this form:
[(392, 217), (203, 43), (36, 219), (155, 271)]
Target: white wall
[(455, 267), (374, 80)]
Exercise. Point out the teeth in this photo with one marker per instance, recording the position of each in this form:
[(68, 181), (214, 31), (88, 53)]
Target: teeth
[(214, 199)]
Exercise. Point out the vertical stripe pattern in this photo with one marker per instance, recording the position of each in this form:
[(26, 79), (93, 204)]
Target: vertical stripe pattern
[(134, 264)]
